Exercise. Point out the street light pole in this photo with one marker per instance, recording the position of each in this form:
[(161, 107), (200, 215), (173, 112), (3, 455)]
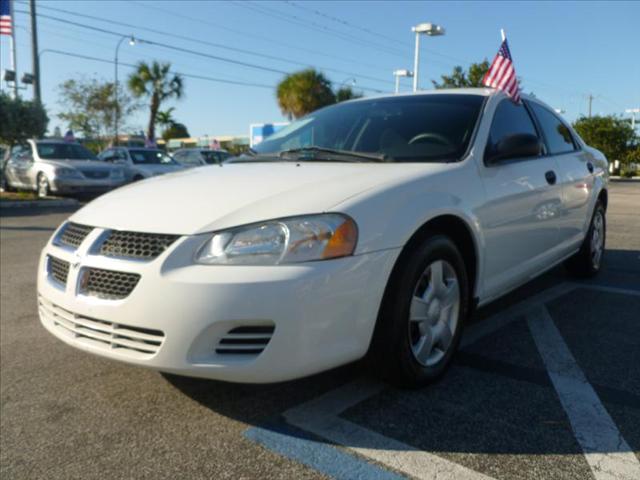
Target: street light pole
[(633, 112), (431, 30), (132, 41), (416, 63), (401, 73)]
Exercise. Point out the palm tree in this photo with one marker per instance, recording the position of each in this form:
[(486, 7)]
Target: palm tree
[(158, 84), (346, 93), (303, 92), (164, 118)]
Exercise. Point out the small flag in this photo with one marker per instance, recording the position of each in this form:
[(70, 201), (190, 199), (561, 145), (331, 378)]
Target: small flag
[(502, 74), (5, 18), (68, 137)]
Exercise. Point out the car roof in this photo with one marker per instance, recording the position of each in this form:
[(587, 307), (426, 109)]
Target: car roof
[(484, 92)]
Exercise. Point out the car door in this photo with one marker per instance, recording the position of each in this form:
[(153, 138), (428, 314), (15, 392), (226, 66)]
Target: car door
[(14, 167), (520, 216), (576, 175), (26, 168)]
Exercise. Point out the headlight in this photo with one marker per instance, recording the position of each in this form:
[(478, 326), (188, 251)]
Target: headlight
[(67, 172), (288, 240), (117, 174)]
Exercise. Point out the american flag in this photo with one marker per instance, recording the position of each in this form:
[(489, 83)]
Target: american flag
[(5, 17), (502, 75)]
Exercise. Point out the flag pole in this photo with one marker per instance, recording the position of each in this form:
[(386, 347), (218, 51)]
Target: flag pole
[(504, 35), (13, 49)]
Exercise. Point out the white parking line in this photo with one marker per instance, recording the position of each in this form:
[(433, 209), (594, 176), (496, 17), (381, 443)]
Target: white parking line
[(606, 451), (320, 416), (592, 425)]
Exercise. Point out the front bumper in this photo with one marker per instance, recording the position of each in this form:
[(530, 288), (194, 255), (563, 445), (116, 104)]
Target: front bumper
[(323, 313), (73, 185)]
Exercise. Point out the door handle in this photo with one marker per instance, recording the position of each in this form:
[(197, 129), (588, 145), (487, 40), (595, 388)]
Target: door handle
[(551, 177), (590, 167)]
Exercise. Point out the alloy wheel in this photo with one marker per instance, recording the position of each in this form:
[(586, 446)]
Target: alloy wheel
[(597, 239), (434, 312)]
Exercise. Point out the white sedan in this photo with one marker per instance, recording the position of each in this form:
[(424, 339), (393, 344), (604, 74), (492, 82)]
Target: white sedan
[(372, 227)]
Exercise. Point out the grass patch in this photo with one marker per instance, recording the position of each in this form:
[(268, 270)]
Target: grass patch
[(18, 196)]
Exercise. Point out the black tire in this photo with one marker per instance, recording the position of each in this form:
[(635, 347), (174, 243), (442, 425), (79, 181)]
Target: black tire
[(584, 264), (391, 353), (137, 178), (42, 186)]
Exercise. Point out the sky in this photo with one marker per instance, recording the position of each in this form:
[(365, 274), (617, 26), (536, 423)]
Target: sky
[(563, 51)]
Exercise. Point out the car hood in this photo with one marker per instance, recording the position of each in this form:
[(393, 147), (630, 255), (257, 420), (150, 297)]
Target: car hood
[(214, 197), (79, 164)]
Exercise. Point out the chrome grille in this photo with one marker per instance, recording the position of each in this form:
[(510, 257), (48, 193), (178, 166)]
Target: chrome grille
[(58, 270), (145, 246), (107, 284), (131, 341), (248, 340), (74, 234), (95, 173)]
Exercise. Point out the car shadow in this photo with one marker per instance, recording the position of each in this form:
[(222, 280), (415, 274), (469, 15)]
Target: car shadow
[(496, 398)]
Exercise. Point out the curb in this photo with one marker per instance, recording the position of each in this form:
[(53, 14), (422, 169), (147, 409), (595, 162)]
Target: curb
[(624, 179), (9, 204)]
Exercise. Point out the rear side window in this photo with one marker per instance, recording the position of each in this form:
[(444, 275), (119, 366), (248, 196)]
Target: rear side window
[(556, 133), (510, 119)]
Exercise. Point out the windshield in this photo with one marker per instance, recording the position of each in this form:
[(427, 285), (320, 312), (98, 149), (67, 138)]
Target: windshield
[(417, 128), (150, 157), (64, 151)]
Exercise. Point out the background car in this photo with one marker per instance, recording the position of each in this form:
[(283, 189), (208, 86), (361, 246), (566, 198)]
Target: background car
[(54, 166), (194, 157), (140, 163)]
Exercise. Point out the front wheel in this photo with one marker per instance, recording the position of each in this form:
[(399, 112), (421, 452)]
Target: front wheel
[(588, 261), (422, 314), (43, 186)]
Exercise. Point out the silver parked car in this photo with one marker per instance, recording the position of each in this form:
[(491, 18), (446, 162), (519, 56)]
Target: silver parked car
[(140, 163), (55, 166), (195, 157)]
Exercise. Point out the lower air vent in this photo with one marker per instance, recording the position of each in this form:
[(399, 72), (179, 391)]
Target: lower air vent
[(249, 340)]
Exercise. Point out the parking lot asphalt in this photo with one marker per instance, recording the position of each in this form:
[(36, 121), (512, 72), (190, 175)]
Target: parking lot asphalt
[(546, 385)]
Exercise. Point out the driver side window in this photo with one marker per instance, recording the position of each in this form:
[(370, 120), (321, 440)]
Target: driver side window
[(509, 119)]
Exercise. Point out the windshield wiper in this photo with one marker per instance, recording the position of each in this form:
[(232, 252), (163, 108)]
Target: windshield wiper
[(322, 153)]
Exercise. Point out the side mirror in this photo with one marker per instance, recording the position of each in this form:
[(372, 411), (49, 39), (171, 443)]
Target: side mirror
[(519, 145)]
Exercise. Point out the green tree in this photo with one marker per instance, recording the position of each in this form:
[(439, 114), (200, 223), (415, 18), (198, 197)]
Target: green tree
[(303, 92), (90, 106), (461, 79), (346, 93), (155, 82), (165, 118), (175, 130), (610, 134), (19, 121)]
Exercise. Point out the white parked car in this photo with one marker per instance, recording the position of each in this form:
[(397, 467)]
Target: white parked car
[(140, 163), (55, 166), (198, 157), (374, 227)]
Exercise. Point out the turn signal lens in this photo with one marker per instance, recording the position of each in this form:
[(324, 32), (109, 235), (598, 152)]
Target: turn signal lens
[(343, 242)]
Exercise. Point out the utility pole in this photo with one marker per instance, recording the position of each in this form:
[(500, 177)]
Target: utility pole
[(35, 58), (590, 98), (633, 112)]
